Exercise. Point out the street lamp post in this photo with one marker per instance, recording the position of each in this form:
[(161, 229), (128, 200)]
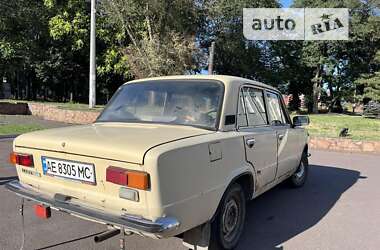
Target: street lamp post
[(92, 84), (211, 59)]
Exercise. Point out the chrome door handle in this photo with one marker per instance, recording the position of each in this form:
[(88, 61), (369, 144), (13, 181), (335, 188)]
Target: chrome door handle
[(280, 137), (250, 142)]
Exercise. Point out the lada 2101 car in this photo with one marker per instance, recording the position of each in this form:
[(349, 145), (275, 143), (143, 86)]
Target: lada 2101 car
[(169, 156)]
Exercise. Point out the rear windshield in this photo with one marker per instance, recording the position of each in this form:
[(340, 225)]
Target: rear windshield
[(191, 102)]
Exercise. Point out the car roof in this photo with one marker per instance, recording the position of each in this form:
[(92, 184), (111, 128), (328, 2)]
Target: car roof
[(231, 81)]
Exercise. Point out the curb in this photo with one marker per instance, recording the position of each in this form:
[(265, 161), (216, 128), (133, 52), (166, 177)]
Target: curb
[(54, 113), (51, 112), (344, 145)]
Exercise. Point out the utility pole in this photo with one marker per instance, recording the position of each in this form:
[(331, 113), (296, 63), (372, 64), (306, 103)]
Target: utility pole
[(211, 59), (92, 86)]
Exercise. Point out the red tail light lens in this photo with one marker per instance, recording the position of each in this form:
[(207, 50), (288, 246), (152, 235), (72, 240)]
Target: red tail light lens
[(117, 176), (133, 179), (25, 160)]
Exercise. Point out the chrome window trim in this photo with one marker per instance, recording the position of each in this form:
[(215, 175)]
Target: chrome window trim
[(284, 109), (250, 85)]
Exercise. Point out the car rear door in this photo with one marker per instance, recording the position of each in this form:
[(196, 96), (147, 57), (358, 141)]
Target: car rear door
[(259, 137), (287, 137)]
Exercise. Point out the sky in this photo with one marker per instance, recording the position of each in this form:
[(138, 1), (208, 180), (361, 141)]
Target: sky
[(286, 3)]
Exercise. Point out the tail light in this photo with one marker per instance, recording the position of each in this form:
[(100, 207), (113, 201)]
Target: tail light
[(117, 176), (132, 179), (13, 158), (42, 212), (25, 160)]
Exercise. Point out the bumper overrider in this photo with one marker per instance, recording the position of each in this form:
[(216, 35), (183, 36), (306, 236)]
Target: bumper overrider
[(136, 224)]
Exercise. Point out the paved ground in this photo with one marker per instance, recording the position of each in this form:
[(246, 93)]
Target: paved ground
[(339, 208)]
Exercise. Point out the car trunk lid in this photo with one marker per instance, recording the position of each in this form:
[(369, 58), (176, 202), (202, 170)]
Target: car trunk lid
[(117, 141)]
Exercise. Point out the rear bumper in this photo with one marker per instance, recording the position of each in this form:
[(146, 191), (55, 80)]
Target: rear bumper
[(160, 226)]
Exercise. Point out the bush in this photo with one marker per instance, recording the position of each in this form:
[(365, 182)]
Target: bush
[(372, 110)]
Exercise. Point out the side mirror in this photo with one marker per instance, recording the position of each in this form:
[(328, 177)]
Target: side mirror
[(301, 120)]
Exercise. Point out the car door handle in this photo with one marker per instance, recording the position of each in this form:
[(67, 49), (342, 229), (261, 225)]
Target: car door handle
[(250, 142), (280, 137)]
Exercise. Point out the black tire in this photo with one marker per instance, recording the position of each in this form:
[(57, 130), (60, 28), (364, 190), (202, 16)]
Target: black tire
[(228, 224), (299, 177)]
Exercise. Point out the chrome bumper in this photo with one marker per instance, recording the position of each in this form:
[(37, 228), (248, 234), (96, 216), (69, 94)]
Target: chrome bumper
[(161, 225)]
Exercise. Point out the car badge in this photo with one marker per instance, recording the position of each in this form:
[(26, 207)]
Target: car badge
[(63, 144)]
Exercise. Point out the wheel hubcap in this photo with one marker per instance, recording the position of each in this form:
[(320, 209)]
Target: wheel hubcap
[(230, 219), (300, 172)]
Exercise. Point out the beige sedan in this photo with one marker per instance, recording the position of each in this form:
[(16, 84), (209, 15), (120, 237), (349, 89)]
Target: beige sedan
[(170, 156)]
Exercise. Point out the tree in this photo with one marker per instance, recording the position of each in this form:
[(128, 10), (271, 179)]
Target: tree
[(69, 27), (161, 35), (23, 42), (338, 63), (293, 73), (234, 54), (44, 47), (370, 82), (44, 50)]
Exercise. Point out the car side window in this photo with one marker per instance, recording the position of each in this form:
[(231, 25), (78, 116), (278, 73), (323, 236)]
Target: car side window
[(275, 111), (254, 106), (251, 102)]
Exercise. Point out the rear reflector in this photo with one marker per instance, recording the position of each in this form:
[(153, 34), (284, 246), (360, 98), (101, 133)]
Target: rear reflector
[(42, 212), (21, 159), (132, 179)]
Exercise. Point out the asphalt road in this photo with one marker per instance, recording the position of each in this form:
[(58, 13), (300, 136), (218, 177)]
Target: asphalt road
[(338, 208)]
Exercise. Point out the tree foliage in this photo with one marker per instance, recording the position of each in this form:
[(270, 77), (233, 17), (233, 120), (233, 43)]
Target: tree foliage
[(44, 48), (337, 64), (234, 54), (161, 35), (370, 82)]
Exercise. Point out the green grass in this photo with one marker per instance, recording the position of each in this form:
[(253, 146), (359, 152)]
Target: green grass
[(329, 125), (11, 129), (79, 106), (18, 124)]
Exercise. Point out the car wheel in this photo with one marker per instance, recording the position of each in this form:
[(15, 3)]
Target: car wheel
[(299, 177), (228, 224)]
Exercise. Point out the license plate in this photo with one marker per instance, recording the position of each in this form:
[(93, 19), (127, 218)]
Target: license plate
[(79, 171)]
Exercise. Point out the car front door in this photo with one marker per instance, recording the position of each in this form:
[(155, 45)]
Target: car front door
[(260, 139), (287, 137)]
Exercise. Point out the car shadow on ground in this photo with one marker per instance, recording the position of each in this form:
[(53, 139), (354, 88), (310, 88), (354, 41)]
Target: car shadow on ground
[(282, 213), (5, 180)]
